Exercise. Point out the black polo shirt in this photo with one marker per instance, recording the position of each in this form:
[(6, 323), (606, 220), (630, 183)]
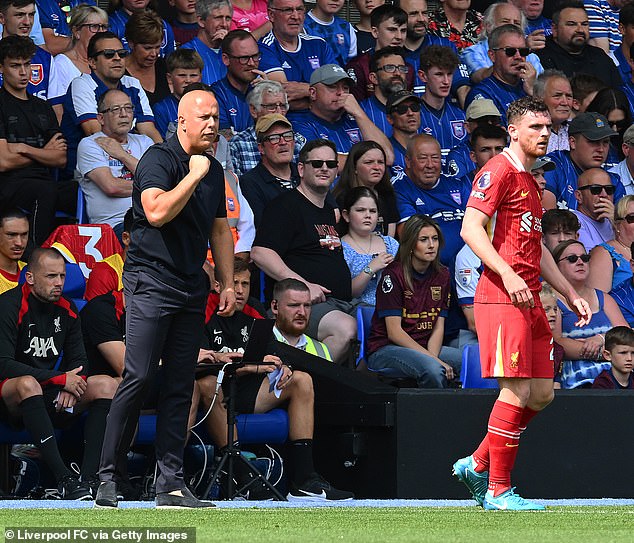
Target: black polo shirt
[(175, 252)]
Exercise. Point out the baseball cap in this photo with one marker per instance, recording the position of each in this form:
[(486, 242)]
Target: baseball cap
[(329, 74), (398, 97), (592, 126), (482, 107), (543, 162), (267, 121), (628, 136)]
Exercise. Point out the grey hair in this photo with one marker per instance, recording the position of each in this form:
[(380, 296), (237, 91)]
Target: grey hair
[(539, 88), (496, 35), (205, 7), (488, 19), (254, 98)]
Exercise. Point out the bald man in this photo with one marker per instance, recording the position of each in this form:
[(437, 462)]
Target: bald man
[(178, 202)]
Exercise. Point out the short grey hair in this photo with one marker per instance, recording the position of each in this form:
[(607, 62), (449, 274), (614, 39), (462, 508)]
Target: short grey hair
[(539, 88), (254, 98), (488, 19), (496, 35), (205, 7)]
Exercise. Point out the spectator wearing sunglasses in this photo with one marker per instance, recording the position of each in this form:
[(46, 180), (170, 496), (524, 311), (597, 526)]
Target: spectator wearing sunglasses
[(440, 118), (595, 207), (241, 56), (403, 113), (568, 49), (107, 63), (297, 238), (583, 345), (589, 137), (513, 77), (336, 115), (388, 74), (611, 260), (625, 168)]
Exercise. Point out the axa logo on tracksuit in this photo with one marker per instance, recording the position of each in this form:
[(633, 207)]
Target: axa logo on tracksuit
[(528, 222)]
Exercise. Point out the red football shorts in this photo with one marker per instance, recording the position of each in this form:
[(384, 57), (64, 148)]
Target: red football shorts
[(514, 342)]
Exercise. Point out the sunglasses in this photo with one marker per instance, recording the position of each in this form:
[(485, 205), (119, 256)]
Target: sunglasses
[(332, 164), (110, 53), (402, 109), (629, 219), (595, 190), (510, 51), (573, 258)]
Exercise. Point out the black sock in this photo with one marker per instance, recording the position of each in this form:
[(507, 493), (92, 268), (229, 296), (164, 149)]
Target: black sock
[(39, 425), (301, 459), (94, 430)]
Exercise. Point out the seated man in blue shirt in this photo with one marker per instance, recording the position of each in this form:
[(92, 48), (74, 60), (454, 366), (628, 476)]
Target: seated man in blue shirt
[(336, 115)]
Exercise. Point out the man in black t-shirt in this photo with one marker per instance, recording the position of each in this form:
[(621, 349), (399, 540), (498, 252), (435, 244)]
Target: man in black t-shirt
[(37, 327), (178, 202), (31, 144), (297, 238)]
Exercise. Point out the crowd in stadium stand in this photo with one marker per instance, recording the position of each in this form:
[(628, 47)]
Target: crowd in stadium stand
[(349, 153)]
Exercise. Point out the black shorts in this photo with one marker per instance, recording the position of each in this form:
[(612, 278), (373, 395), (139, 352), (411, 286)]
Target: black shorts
[(247, 390), (59, 420)]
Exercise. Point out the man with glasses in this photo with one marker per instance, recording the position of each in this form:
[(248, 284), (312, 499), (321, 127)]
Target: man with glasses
[(241, 56), (403, 114), (17, 17), (388, 73), (106, 57), (568, 49), (276, 173), (589, 136), (214, 19), (439, 117), (512, 76), (625, 168), (30, 142), (595, 207), (336, 115), (290, 57), (265, 98), (107, 160), (297, 238)]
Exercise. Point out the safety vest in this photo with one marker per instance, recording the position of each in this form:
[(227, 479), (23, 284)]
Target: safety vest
[(317, 348)]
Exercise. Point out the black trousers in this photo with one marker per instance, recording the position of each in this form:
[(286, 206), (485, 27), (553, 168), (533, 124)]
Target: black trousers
[(164, 323)]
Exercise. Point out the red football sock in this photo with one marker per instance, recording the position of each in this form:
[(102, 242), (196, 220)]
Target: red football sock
[(527, 416), (504, 437), (481, 456)]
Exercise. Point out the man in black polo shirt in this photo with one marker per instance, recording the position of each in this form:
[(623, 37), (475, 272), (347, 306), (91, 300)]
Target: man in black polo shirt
[(31, 143), (178, 201), (297, 238), (276, 173)]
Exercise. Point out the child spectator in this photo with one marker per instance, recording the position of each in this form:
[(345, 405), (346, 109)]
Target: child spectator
[(559, 225), (548, 298), (619, 351), (339, 34), (184, 22)]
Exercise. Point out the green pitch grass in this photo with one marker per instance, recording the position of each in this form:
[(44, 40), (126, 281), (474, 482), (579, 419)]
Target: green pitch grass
[(364, 525)]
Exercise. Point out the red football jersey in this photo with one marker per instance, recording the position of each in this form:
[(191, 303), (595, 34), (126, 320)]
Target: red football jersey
[(510, 196)]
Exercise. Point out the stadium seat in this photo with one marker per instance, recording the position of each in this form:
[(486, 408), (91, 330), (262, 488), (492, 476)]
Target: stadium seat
[(471, 374), (364, 318), (271, 427)]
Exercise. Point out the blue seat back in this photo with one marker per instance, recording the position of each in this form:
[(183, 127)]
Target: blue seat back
[(471, 373)]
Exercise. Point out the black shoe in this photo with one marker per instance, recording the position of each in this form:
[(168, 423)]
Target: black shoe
[(165, 500), (316, 488), (106, 495), (71, 489), (92, 483)]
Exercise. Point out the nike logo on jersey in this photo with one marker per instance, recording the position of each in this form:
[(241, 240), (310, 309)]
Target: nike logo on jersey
[(524, 194), (511, 445)]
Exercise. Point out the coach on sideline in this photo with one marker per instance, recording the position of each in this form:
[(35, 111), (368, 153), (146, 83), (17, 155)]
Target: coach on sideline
[(178, 202)]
